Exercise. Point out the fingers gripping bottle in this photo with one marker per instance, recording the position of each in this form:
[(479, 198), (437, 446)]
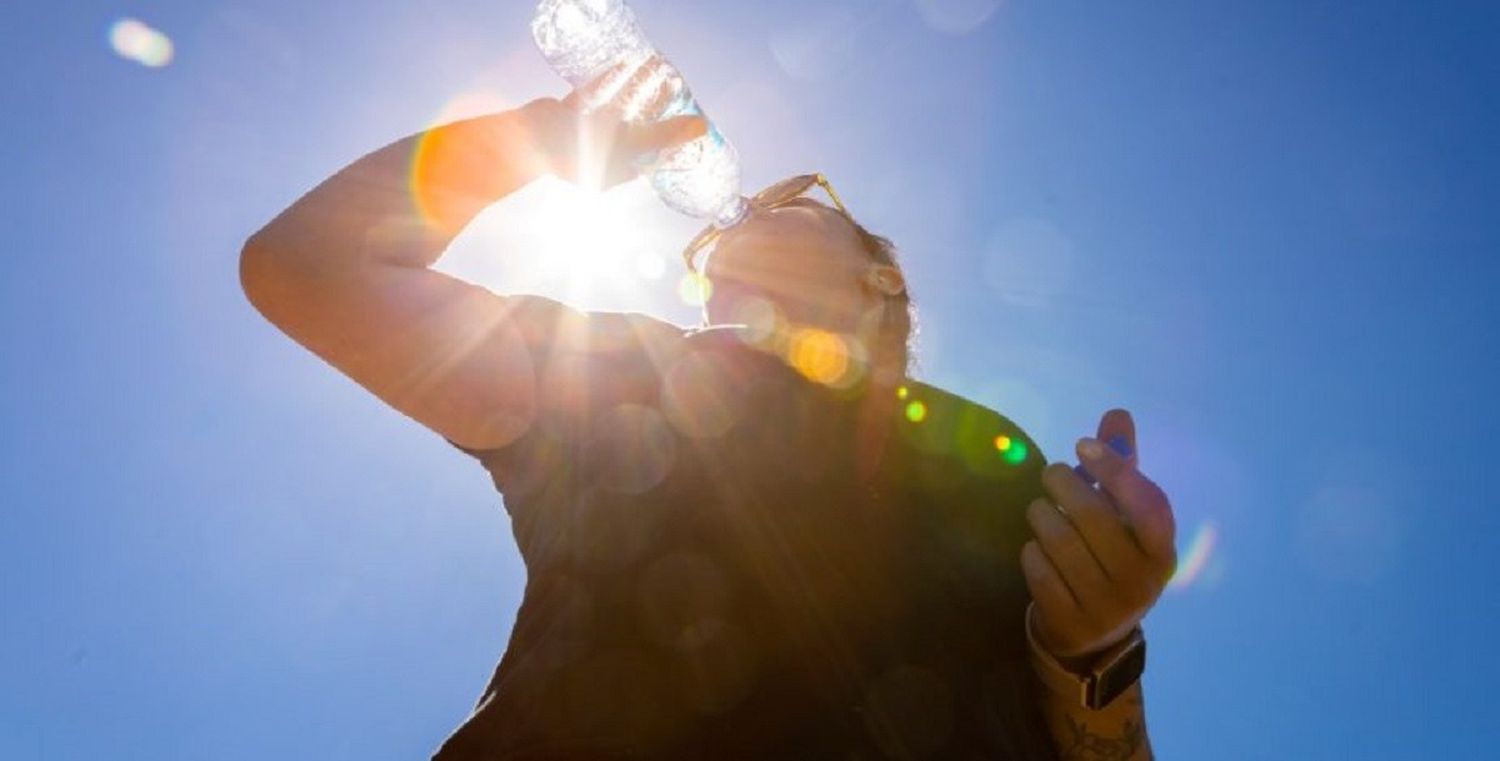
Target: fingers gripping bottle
[(583, 40)]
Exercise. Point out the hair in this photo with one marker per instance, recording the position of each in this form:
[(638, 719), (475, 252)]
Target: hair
[(897, 337)]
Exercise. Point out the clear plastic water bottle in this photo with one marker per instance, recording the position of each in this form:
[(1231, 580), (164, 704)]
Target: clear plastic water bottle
[(584, 39)]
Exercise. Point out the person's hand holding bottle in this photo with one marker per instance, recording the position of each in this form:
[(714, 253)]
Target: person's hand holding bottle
[(597, 147)]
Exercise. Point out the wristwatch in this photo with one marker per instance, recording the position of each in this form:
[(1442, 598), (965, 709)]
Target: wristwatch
[(1108, 677)]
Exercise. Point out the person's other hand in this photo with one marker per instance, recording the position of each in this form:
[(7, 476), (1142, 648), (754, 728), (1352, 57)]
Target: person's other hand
[(1102, 555), (598, 147)]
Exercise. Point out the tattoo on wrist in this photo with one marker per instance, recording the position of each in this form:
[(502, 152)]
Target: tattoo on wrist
[(1086, 745)]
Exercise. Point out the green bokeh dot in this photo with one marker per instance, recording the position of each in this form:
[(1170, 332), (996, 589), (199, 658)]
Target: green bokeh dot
[(916, 412), (1017, 452)]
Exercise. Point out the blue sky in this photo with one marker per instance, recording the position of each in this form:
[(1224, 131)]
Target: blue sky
[(1268, 228)]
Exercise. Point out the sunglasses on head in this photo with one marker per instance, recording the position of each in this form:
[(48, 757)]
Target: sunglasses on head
[(780, 194)]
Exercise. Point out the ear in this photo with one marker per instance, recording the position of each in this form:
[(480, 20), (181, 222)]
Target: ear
[(886, 279)]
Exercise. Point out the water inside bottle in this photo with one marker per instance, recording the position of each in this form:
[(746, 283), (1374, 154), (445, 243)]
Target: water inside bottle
[(583, 38), (586, 39)]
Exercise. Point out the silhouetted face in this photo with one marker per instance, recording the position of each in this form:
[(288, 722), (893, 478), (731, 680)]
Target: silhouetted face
[(803, 257)]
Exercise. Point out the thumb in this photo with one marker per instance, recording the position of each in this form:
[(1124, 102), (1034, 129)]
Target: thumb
[(1117, 429)]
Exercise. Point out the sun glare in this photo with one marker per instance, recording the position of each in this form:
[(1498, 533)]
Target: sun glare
[(569, 235), (587, 249), (616, 250), (591, 233)]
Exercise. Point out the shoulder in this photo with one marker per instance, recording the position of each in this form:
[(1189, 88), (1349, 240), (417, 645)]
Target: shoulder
[(935, 422)]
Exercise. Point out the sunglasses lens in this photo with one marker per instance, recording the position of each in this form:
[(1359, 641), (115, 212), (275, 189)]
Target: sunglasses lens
[(771, 197), (784, 190)]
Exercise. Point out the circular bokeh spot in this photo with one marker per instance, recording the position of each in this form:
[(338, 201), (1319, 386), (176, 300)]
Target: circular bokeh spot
[(1016, 453), (761, 320), (636, 449), (694, 289), (916, 412), (821, 356), (700, 397)]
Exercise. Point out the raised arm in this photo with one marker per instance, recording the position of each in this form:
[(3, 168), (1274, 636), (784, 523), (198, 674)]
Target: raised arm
[(345, 271)]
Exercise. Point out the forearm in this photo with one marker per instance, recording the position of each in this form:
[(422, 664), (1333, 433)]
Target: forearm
[(1115, 733), (403, 204), (346, 272)]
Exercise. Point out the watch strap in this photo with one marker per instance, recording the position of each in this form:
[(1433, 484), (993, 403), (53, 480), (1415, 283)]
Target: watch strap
[(1111, 674)]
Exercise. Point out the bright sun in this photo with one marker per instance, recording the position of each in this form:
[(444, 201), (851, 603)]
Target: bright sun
[(590, 232), (613, 250), (616, 250)]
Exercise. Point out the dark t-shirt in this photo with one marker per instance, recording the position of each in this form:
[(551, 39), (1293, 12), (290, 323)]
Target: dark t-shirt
[(708, 576)]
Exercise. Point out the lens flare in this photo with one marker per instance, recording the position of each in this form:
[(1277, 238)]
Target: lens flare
[(820, 355), (957, 17), (1011, 450), (1017, 453), (916, 412), (694, 289), (1195, 560), (135, 41), (445, 176), (761, 318)]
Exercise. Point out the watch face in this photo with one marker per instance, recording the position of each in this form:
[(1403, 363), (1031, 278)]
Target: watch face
[(1120, 675)]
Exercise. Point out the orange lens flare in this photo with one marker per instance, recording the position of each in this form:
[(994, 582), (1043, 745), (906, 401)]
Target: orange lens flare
[(454, 174), (438, 169), (820, 355)]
